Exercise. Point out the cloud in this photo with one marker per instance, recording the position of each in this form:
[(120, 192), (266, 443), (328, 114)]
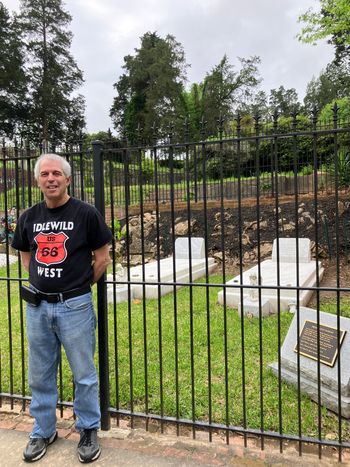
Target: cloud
[(105, 31)]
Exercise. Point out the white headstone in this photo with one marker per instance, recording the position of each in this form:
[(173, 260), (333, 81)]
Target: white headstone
[(183, 245), (288, 250)]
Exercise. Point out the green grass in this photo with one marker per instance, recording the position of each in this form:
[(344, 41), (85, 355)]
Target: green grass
[(146, 327)]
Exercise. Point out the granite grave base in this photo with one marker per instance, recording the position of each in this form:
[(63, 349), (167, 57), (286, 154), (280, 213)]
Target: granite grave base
[(328, 378)]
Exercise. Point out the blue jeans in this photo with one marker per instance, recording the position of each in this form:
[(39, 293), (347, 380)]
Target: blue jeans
[(71, 323)]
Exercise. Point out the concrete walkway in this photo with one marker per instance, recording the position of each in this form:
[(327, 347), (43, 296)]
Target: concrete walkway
[(122, 446), (63, 453)]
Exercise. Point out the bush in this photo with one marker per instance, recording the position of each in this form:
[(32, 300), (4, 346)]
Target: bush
[(147, 167), (341, 169)]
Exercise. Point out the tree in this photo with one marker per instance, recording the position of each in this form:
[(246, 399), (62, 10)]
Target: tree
[(193, 103), (54, 74), (284, 101), (12, 76), (332, 22), (225, 90), (332, 83), (74, 118), (149, 93), (257, 104)]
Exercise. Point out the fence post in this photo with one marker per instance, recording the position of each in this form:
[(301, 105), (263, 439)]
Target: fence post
[(101, 295)]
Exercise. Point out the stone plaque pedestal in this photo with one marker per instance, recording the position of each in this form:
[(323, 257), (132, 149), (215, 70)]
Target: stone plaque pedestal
[(328, 378)]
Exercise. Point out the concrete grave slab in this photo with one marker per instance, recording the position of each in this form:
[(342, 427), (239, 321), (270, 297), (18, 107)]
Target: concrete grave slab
[(118, 292), (185, 271), (287, 275), (171, 270)]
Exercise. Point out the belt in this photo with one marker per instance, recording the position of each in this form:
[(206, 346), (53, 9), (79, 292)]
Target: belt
[(61, 296)]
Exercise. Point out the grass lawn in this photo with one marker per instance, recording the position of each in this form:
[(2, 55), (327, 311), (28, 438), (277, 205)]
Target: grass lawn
[(170, 376)]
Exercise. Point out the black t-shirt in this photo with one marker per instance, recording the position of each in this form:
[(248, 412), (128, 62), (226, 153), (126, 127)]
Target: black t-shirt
[(61, 241)]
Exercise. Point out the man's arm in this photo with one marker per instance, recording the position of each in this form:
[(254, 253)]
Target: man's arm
[(102, 260), (25, 257)]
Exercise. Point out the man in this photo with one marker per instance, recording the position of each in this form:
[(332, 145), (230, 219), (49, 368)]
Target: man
[(56, 239)]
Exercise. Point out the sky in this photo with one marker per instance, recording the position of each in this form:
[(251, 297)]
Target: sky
[(105, 31)]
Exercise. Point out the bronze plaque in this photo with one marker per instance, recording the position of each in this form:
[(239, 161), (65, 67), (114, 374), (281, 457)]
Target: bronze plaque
[(308, 345)]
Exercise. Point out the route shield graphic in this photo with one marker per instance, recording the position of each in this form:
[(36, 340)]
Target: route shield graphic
[(51, 248)]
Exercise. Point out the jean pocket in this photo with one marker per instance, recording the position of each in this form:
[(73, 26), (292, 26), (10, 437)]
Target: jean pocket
[(79, 303)]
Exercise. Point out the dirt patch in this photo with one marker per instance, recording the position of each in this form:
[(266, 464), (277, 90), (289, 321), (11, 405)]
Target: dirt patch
[(242, 235), (336, 274)]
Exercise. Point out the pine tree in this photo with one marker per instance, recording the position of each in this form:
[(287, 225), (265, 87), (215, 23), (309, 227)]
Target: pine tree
[(150, 91), (12, 77), (54, 74)]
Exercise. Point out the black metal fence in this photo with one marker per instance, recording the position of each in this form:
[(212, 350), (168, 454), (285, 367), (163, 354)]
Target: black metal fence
[(201, 342), (231, 164)]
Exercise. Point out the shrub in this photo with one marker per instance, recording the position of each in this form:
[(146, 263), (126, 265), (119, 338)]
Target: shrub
[(341, 169)]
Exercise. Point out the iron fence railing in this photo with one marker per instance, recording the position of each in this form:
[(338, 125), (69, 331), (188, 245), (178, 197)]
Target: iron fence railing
[(173, 345), (285, 164)]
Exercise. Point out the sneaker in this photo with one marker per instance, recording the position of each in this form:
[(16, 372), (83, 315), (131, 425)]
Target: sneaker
[(36, 448), (88, 448)]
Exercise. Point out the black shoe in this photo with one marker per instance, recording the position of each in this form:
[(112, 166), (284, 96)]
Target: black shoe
[(36, 448), (88, 448)]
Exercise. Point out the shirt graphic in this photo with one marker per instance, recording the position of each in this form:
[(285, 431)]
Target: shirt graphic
[(51, 247)]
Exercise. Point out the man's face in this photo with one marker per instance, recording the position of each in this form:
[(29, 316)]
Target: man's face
[(53, 182)]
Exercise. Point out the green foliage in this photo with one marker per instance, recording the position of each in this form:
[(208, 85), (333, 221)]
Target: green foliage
[(343, 113), (149, 92), (307, 170), (52, 72), (284, 101), (340, 169), (223, 90), (257, 104), (194, 103), (147, 169), (332, 84), (89, 138), (116, 229), (326, 143), (330, 22), (12, 76), (285, 146), (225, 162)]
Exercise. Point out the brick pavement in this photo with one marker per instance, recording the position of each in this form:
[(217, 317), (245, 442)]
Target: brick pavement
[(125, 446)]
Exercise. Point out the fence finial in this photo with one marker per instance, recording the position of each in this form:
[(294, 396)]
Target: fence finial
[(220, 123)]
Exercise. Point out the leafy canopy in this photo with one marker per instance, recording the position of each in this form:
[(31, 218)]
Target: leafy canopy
[(224, 90), (330, 22), (332, 83)]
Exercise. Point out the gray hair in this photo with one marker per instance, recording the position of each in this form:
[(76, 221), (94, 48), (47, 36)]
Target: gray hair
[(67, 170)]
